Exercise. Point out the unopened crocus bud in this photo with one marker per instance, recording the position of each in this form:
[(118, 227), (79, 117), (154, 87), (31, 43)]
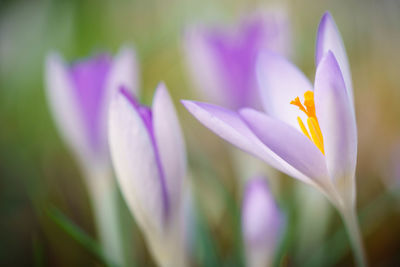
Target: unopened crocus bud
[(148, 155), (261, 223)]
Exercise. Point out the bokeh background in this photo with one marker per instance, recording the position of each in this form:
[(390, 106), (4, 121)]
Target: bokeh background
[(45, 214)]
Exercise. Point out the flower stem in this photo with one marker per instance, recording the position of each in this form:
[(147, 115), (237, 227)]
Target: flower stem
[(350, 220), (104, 198)]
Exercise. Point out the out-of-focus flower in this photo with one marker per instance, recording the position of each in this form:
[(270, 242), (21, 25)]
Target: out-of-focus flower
[(322, 151), (148, 154), (78, 95), (222, 61), (261, 223)]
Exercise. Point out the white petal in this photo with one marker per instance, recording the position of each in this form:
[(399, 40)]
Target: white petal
[(170, 144), (338, 126), (64, 105), (230, 126), (135, 164), (281, 82), (329, 39), (124, 71), (202, 66)]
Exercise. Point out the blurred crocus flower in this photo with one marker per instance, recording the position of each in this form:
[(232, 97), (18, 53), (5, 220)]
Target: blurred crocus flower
[(79, 95), (314, 141), (148, 155), (221, 61), (261, 223)]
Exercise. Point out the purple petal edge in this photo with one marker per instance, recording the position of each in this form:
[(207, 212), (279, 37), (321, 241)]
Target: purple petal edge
[(146, 114), (269, 231), (89, 78)]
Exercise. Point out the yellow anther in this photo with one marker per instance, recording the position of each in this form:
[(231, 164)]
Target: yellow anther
[(297, 102), (316, 134), (312, 122), (303, 128), (309, 103)]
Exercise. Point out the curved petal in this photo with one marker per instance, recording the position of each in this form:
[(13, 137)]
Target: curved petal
[(89, 78), (261, 223), (64, 105), (289, 144), (280, 82), (228, 125), (202, 67), (134, 160), (124, 71), (328, 38), (338, 126), (170, 145)]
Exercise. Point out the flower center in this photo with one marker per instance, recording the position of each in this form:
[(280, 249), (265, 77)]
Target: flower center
[(308, 107)]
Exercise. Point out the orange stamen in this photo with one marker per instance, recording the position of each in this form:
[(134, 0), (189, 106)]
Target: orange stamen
[(308, 107)]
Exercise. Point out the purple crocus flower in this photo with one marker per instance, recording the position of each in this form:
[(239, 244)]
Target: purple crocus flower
[(222, 61), (79, 94), (261, 223), (314, 141), (148, 154)]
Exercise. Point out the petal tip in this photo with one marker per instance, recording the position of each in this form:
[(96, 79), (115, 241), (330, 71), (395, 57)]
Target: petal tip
[(190, 105), (326, 22), (161, 87)]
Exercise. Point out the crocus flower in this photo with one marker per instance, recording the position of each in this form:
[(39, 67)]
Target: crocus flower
[(78, 95), (148, 155), (314, 140), (222, 61), (261, 223)]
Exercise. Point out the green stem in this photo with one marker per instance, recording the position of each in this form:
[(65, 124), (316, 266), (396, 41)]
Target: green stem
[(350, 220), (104, 198)]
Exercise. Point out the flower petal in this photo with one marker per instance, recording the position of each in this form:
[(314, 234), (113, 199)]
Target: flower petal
[(228, 125), (124, 71), (338, 125), (289, 144), (170, 145), (280, 82), (64, 106), (135, 163), (261, 223), (329, 39), (89, 79), (202, 67)]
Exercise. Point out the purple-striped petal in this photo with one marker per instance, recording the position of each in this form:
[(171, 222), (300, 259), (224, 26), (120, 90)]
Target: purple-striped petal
[(170, 145), (235, 56), (281, 82), (228, 125), (89, 79), (289, 144), (329, 39), (338, 126), (65, 109), (135, 162), (222, 60), (261, 223)]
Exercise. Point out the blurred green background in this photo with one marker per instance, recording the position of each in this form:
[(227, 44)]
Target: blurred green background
[(39, 179)]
